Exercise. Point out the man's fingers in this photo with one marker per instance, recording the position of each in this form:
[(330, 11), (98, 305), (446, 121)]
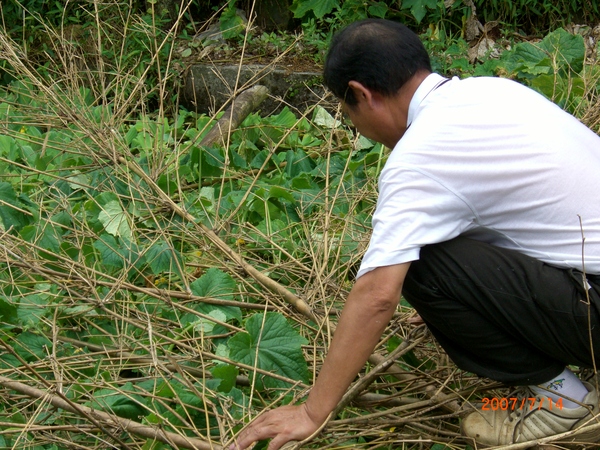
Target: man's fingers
[(259, 429), (281, 442), (254, 432), (285, 424)]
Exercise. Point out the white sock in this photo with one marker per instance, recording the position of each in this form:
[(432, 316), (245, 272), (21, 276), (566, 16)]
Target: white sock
[(567, 384)]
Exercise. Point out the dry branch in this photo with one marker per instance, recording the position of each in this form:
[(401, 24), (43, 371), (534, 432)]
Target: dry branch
[(241, 106), (109, 420), (270, 284), (364, 382)]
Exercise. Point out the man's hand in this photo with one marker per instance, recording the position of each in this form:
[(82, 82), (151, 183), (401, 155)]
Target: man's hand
[(288, 423), (367, 312)]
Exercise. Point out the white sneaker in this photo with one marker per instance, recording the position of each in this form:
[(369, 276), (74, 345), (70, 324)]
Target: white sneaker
[(526, 416)]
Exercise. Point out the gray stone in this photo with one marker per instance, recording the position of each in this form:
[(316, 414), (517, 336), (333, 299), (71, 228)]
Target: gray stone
[(208, 87)]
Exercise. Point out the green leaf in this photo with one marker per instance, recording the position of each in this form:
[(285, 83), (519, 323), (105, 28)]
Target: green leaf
[(378, 9), (281, 193), (273, 346), (32, 308), (567, 50), (163, 258), (230, 23), (285, 119), (129, 406), (8, 310), (30, 346), (324, 119), (11, 208), (109, 251), (7, 145), (202, 325), (418, 8), (298, 162), (227, 374), (559, 52), (218, 284), (44, 237), (319, 7), (214, 283), (115, 220)]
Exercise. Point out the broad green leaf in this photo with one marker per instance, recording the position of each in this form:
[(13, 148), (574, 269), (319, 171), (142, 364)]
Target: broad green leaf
[(11, 209), (32, 346), (109, 251), (216, 283), (237, 161), (206, 195), (324, 119), (273, 346), (227, 374), (440, 447), (319, 7), (285, 119), (160, 388), (281, 193), (115, 220), (32, 308), (260, 158), (207, 325), (201, 324), (168, 184), (566, 92), (163, 258), (559, 52), (305, 181), (418, 8), (8, 310), (363, 143), (214, 157), (120, 402), (298, 162), (43, 237), (7, 145), (567, 50), (231, 24), (231, 201), (28, 153), (378, 9), (62, 220)]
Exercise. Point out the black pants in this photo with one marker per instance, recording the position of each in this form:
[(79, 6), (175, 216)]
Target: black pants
[(503, 315)]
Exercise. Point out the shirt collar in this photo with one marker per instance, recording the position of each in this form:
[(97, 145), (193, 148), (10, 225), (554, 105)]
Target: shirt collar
[(432, 81)]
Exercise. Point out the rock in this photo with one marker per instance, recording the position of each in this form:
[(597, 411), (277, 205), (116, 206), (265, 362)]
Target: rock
[(206, 87)]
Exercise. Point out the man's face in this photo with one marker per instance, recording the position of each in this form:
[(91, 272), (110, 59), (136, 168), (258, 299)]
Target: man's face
[(376, 116), (361, 119)]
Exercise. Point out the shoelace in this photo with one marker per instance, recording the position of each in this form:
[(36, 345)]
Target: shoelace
[(524, 397)]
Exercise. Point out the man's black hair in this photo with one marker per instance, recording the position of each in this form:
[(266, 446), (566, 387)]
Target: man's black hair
[(380, 54)]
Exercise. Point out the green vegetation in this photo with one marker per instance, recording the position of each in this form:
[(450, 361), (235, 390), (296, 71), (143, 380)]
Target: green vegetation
[(132, 256)]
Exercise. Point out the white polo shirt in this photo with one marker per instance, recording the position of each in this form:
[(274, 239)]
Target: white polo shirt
[(494, 160)]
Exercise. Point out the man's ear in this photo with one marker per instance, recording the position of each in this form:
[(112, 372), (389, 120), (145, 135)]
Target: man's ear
[(361, 93)]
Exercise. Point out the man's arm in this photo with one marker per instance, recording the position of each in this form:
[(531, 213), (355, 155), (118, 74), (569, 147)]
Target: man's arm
[(367, 312)]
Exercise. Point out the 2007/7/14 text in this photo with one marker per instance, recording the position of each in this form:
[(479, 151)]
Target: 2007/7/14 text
[(512, 403)]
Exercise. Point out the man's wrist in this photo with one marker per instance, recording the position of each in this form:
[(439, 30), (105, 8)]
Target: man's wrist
[(316, 414)]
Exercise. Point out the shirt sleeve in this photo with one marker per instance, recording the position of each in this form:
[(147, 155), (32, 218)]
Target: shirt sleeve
[(414, 209)]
